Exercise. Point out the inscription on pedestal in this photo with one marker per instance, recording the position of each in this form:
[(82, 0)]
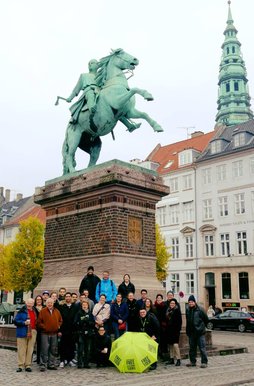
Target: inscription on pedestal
[(135, 233)]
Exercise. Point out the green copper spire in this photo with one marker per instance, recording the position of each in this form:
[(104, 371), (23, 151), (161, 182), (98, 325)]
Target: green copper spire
[(233, 99)]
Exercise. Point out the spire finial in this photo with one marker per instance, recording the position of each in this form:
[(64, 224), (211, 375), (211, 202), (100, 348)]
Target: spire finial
[(230, 19)]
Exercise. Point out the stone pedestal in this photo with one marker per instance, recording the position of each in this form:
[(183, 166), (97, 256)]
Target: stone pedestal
[(102, 216)]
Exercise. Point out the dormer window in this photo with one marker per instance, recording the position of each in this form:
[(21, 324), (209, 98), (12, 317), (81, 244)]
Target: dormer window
[(185, 157), (216, 146), (239, 139)]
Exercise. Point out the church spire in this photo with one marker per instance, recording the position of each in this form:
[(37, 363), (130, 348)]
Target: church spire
[(233, 99)]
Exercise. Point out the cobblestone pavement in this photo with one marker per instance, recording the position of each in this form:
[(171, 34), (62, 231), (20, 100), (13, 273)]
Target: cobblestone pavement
[(226, 370)]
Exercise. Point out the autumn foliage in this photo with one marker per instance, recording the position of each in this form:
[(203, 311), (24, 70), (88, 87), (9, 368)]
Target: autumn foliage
[(21, 262), (162, 256)]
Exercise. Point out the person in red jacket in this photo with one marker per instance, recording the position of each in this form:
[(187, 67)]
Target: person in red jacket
[(49, 322)]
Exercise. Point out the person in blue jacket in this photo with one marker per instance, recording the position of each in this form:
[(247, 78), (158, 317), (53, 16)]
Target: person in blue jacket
[(107, 287), (119, 313), (25, 320)]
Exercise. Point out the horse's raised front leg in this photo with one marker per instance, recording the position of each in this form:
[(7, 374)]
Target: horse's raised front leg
[(133, 113)]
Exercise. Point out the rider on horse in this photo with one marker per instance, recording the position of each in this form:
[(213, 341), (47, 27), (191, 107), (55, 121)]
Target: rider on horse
[(87, 83)]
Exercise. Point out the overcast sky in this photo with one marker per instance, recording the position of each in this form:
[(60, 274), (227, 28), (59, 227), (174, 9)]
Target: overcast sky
[(47, 44)]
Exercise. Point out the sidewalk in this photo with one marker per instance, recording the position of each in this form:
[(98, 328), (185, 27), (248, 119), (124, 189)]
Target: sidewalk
[(222, 371)]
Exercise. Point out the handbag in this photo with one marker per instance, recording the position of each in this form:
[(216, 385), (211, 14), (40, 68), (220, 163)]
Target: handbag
[(122, 326)]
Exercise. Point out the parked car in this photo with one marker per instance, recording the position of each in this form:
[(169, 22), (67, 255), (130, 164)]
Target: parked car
[(232, 320)]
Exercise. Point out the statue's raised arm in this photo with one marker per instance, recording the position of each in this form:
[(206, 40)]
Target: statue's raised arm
[(106, 99)]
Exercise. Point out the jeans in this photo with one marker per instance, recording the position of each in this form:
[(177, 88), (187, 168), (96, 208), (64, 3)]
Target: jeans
[(48, 350), (84, 349), (199, 341)]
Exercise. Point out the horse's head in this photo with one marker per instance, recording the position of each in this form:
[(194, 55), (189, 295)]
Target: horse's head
[(110, 65), (123, 60)]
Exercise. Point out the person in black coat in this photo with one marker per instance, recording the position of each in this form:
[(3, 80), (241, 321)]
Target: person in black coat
[(67, 341), (196, 322), (126, 287), (102, 347), (85, 326), (174, 325), (89, 282), (160, 309), (133, 312), (147, 322)]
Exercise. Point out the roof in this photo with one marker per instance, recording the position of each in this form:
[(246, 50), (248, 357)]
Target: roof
[(35, 211), (164, 154), (10, 208), (226, 134)]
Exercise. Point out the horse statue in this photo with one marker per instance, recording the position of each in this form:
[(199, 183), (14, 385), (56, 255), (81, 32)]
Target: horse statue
[(115, 102)]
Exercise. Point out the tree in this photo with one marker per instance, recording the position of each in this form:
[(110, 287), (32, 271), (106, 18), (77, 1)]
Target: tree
[(26, 260), (5, 254), (162, 255)]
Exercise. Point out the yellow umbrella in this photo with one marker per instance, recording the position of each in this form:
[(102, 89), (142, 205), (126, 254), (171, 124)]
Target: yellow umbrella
[(133, 352)]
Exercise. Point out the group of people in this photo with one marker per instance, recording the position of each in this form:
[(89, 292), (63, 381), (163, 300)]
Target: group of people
[(76, 330)]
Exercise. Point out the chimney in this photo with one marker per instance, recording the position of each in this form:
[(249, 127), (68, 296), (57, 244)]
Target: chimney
[(7, 195), (19, 197), (196, 134)]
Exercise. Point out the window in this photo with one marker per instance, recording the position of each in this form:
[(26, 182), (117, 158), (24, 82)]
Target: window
[(207, 179), (175, 247), (189, 246), (161, 215), (233, 50), (225, 245), (243, 285), (238, 169), (8, 232), (209, 245), (209, 279), (223, 206), (226, 285), (185, 157), (239, 139), (216, 146), (239, 203), (241, 243), (227, 87), (221, 172), (188, 211), (207, 209), (252, 165), (174, 214), (187, 181), (189, 277), (173, 185), (227, 50), (175, 282), (236, 86)]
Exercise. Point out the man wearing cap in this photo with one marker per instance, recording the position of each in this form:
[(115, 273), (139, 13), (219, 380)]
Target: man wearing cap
[(45, 296), (196, 321), (89, 282)]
